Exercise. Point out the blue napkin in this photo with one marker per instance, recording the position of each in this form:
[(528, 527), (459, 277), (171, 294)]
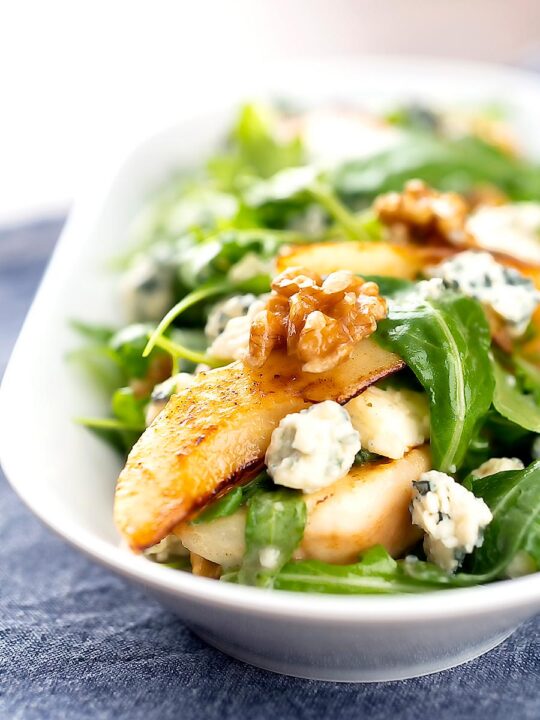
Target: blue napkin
[(78, 642)]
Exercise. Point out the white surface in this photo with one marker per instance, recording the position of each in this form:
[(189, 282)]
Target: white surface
[(82, 81), (68, 476)]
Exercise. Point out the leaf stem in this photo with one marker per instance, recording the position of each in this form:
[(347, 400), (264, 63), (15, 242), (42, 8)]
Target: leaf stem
[(180, 351), (188, 301), (107, 424), (347, 220)]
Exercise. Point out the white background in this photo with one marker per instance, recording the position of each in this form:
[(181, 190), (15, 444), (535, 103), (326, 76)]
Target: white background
[(81, 81)]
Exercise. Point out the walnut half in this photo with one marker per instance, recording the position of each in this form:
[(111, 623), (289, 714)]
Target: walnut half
[(423, 212), (317, 320)]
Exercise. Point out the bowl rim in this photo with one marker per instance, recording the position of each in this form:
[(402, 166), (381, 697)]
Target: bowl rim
[(476, 600)]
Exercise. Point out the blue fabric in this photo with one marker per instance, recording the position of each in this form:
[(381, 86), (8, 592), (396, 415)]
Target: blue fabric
[(78, 642)]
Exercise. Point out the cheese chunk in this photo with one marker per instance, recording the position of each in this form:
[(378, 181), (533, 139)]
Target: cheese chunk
[(451, 516), (390, 422), (313, 448)]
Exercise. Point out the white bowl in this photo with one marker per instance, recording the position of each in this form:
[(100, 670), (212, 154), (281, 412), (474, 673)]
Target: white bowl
[(67, 476)]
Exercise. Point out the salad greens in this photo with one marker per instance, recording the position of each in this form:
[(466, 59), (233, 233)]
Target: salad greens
[(446, 344), (234, 499), (274, 528), (514, 499), (211, 236), (511, 402), (444, 163), (375, 573)]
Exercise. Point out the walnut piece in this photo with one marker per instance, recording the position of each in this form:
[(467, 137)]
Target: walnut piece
[(421, 212), (317, 320)]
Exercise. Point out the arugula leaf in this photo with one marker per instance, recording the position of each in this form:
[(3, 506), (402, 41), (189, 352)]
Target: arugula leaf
[(118, 434), (225, 506), (297, 187), (101, 364), (97, 358), (212, 259), (274, 528), (528, 374), (514, 500), (446, 343), (235, 498), (129, 344), (181, 563), (124, 429), (127, 408), (375, 573), (254, 149), (447, 164), (389, 286), (98, 334), (519, 407), (255, 137)]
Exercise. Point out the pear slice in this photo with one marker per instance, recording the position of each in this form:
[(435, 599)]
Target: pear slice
[(211, 435), (362, 258)]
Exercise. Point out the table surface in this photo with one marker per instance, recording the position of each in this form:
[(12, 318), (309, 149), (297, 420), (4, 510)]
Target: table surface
[(78, 642)]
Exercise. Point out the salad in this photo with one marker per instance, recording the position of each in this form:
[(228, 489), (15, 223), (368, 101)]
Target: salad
[(330, 377)]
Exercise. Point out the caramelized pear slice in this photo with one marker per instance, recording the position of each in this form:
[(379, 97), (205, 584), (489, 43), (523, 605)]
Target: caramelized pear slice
[(369, 506), (209, 436), (361, 258)]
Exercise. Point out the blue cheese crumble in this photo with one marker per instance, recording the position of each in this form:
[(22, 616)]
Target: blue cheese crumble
[(452, 518), (147, 287), (496, 465), (313, 448), (232, 323), (511, 295), (222, 312), (391, 421)]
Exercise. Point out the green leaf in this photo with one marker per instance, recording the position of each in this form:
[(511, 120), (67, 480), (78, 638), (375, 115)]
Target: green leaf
[(447, 164), (519, 407), (225, 506), (212, 259), (375, 573), (129, 344), (389, 286), (446, 344), (101, 364), (98, 334), (196, 296), (127, 408), (528, 375), (274, 527), (514, 500), (120, 435), (298, 187), (254, 150), (235, 498), (255, 140), (181, 563)]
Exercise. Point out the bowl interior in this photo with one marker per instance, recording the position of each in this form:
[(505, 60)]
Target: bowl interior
[(65, 474)]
